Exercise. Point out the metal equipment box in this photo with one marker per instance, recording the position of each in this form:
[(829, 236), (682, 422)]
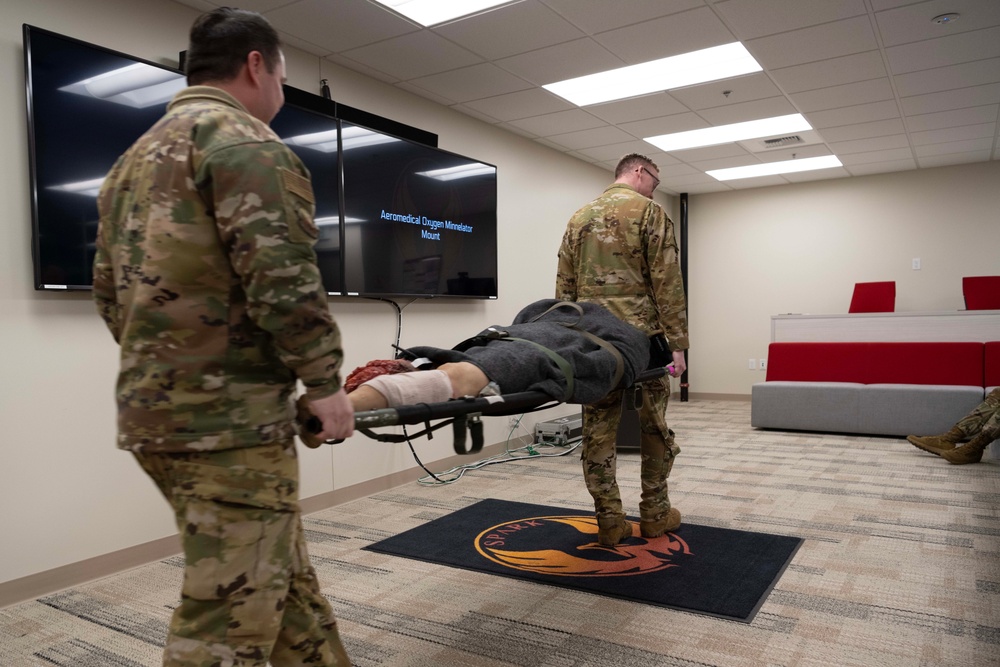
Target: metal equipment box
[(559, 431)]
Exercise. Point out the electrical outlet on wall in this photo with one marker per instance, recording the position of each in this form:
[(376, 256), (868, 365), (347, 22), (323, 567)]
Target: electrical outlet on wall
[(763, 364), (513, 420)]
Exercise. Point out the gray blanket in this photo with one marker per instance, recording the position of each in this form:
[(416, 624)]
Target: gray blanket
[(518, 366)]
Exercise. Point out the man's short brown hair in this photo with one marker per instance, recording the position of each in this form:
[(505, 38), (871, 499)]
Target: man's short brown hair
[(631, 161), (220, 41)]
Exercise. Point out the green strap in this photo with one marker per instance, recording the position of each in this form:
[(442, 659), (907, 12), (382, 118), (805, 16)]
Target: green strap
[(619, 362), (559, 361)]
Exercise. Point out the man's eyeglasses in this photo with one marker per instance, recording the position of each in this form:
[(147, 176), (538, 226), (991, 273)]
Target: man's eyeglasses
[(656, 181)]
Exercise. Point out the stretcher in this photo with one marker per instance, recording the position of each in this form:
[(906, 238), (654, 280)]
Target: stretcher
[(464, 415)]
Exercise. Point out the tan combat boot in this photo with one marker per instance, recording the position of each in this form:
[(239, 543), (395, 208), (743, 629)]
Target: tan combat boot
[(936, 444), (970, 452), (612, 529), (669, 521)]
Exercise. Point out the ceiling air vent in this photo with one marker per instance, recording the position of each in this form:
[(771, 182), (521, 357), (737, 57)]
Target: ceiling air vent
[(779, 142)]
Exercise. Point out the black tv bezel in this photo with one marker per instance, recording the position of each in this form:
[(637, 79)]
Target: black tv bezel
[(297, 97)]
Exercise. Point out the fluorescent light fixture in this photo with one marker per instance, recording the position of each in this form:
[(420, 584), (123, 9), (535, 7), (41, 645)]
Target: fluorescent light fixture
[(461, 171), (137, 86), (334, 220), (687, 69), (353, 137), (772, 168), (432, 12), (88, 188), (724, 134)]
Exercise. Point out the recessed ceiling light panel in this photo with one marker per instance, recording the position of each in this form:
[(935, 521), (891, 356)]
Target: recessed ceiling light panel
[(687, 69), (772, 168), (433, 12), (724, 134)]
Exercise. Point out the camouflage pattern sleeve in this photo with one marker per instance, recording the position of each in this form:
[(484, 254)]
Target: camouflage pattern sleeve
[(665, 277), (264, 208), (104, 290), (566, 273)]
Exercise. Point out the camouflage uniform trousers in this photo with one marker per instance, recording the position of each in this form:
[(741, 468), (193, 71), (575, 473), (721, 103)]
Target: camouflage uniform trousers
[(249, 593), (656, 446), (984, 419)]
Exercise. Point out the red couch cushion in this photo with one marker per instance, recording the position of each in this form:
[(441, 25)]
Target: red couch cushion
[(992, 364), (878, 363)]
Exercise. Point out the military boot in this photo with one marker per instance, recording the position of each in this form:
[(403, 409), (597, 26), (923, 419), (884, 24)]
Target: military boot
[(936, 444), (612, 529), (669, 521), (970, 452)]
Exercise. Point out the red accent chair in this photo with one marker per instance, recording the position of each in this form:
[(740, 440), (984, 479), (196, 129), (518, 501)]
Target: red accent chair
[(981, 292), (874, 297)]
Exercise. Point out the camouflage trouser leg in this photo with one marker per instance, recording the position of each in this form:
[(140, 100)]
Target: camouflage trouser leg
[(985, 419), (657, 449), (249, 593), (599, 455)]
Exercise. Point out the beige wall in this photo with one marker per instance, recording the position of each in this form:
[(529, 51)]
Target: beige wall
[(68, 495), (800, 249)]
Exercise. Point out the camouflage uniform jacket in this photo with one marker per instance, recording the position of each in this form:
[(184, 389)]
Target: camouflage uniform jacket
[(620, 251), (206, 276)]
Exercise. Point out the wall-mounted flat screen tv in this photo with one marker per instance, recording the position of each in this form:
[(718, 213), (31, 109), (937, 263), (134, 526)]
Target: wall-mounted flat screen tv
[(86, 106), (418, 221), (397, 217)]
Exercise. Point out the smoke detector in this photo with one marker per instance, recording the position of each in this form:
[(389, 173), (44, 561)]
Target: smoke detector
[(946, 19)]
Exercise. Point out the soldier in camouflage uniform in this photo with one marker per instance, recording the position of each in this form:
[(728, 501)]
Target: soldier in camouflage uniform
[(205, 274), (980, 427), (620, 251)]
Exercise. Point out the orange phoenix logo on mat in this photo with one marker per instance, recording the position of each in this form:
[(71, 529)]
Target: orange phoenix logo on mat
[(567, 546)]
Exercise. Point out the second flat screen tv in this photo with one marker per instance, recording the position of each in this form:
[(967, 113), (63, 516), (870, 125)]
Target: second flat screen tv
[(418, 221)]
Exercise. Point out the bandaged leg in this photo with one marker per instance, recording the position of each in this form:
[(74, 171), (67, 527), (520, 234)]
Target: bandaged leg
[(409, 388)]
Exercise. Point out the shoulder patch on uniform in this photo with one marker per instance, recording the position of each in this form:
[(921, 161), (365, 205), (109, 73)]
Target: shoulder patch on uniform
[(297, 184)]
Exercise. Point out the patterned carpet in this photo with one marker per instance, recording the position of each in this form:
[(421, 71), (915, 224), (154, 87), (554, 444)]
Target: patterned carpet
[(900, 566)]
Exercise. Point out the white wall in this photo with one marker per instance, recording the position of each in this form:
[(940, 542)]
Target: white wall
[(800, 249), (67, 494)]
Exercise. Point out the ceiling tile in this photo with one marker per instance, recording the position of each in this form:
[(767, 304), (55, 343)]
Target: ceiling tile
[(756, 18), (849, 94), (471, 83), (944, 51), (862, 113), (653, 127), (614, 152), (948, 78), (638, 108), (562, 61), (509, 30), (869, 144), (333, 26), (955, 118), (522, 104), (956, 134), (879, 128), (594, 16), (716, 157), (737, 113), (559, 122), (590, 138), (669, 36), (877, 156), (966, 146), (832, 72), (830, 40), (882, 167), (953, 158), (952, 99), (394, 56), (817, 175), (727, 92), (912, 23)]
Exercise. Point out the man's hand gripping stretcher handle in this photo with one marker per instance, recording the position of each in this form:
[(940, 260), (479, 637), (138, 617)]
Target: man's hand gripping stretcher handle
[(327, 418)]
